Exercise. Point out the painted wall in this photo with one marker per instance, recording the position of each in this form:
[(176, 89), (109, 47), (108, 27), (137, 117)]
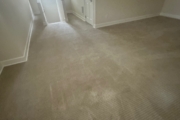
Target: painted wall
[(34, 7), (77, 6), (15, 19), (113, 10), (67, 5), (171, 7)]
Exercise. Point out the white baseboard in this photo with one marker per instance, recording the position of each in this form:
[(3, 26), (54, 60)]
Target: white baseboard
[(79, 16), (124, 20), (23, 58), (170, 15)]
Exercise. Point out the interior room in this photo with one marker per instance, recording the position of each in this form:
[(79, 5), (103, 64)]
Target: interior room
[(89, 59)]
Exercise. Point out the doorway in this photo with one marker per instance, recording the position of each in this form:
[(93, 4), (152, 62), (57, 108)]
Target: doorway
[(42, 13), (52, 11)]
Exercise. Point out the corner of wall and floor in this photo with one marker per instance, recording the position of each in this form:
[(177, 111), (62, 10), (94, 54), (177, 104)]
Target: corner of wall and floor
[(170, 15), (23, 58), (124, 20), (160, 13), (77, 15), (171, 10)]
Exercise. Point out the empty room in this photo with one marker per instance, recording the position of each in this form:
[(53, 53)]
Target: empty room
[(89, 59)]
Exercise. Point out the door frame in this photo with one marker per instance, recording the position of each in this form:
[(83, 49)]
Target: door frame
[(39, 3), (58, 2), (93, 12)]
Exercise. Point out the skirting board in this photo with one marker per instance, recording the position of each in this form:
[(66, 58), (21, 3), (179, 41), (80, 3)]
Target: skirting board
[(170, 15), (79, 16), (22, 59), (124, 21)]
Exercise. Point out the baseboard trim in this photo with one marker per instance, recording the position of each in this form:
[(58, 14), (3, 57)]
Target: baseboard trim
[(23, 58), (170, 15), (79, 16), (124, 21)]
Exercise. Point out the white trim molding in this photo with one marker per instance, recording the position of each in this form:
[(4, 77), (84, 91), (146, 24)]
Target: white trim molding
[(79, 16), (23, 58), (170, 15), (124, 20)]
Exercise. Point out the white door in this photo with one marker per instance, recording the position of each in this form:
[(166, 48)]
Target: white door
[(89, 11), (43, 16), (51, 10)]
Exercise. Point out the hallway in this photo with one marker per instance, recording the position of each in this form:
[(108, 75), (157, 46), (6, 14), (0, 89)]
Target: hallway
[(75, 72)]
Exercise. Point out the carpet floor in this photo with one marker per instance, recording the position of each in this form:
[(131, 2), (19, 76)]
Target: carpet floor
[(128, 71)]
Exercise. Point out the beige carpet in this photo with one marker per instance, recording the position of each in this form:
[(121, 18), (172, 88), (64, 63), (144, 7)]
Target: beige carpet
[(124, 72)]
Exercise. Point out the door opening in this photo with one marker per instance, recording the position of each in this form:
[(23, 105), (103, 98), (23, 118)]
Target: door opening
[(52, 10), (42, 13)]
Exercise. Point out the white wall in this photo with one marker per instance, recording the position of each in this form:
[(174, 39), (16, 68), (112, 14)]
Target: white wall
[(77, 6), (15, 19), (172, 7), (34, 6), (113, 10), (67, 5)]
